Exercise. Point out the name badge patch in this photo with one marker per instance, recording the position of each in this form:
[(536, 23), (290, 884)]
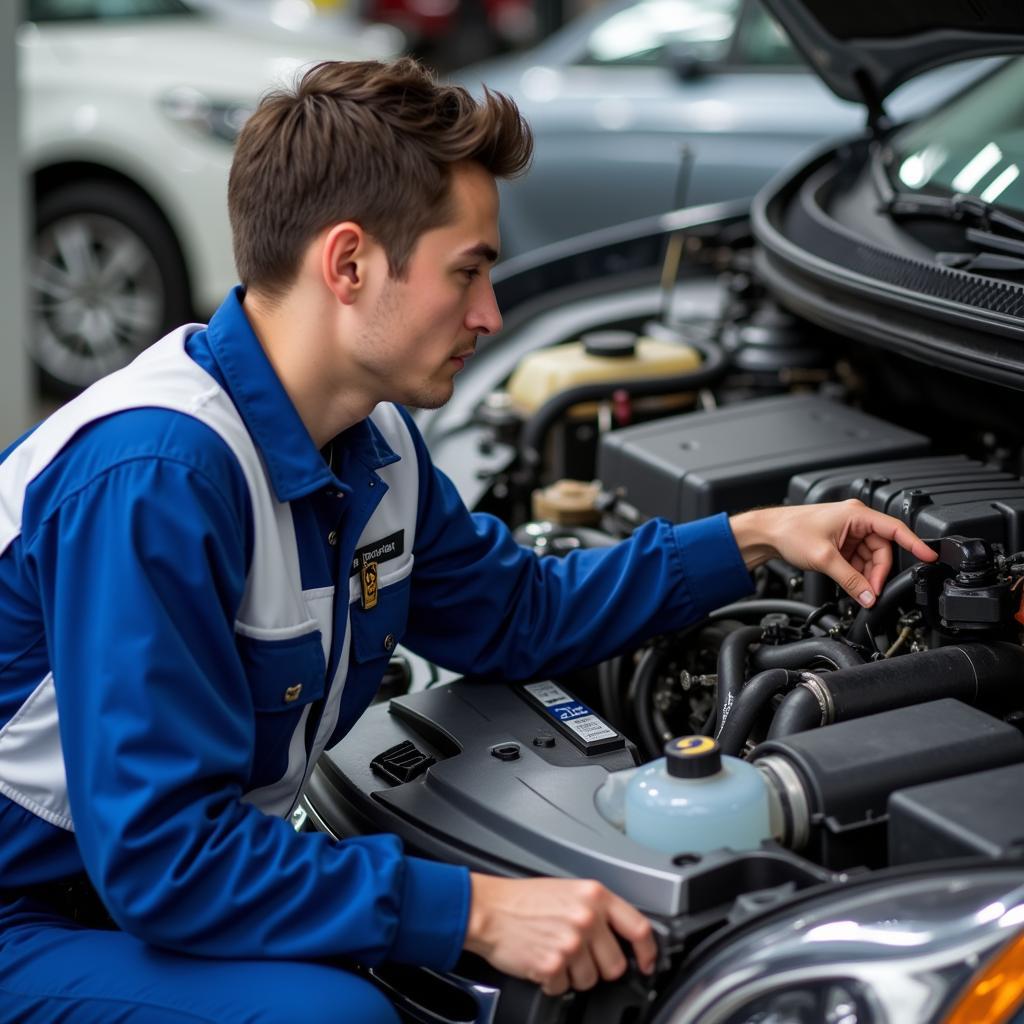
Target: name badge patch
[(378, 551)]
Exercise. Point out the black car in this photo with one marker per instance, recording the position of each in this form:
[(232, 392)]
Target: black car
[(858, 333)]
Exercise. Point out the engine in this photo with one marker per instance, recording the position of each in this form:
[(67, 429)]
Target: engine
[(886, 739)]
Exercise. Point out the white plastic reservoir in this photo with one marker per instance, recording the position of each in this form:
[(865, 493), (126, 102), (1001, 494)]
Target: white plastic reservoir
[(696, 799)]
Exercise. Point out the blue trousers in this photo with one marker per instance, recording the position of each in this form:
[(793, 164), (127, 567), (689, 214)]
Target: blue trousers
[(52, 969)]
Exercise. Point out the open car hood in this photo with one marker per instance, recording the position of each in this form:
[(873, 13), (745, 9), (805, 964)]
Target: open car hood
[(863, 51)]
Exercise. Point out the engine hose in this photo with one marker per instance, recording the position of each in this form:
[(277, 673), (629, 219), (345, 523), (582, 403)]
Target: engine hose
[(535, 429), (979, 674), (871, 621), (798, 712), (828, 608), (803, 653), (771, 606), (642, 690), (732, 668), (753, 699), (610, 691)]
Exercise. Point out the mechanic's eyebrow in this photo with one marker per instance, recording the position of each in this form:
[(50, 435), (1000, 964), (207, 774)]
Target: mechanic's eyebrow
[(481, 249)]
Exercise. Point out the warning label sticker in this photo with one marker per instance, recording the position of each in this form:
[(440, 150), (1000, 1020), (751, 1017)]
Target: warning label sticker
[(547, 693), (579, 722), (591, 728)]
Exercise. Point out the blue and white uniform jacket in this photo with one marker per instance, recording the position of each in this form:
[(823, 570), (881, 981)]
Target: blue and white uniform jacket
[(183, 632)]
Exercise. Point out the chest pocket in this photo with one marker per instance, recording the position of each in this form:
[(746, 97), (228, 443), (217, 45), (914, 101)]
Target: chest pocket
[(375, 634), (376, 631), (285, 677)]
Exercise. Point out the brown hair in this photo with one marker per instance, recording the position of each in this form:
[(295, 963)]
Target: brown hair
[(363, 141)]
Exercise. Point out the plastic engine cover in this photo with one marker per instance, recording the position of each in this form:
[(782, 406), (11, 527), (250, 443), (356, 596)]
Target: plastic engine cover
[(503, 780)]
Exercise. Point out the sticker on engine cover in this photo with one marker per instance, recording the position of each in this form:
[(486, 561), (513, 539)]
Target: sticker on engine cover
[(547, 693), (577, 721), (591, 728)]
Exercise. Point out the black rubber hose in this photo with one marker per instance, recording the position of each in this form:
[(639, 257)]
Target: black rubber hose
[(535, 429), (732, 668), (803, 654), (869, 622), (977, 674), (987, 675), (642, 690), (754, 698), (770, 606), (608, 675), (829, 608), (798, 712)]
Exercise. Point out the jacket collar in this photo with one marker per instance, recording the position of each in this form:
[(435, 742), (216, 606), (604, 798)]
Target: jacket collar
[(294, 464)]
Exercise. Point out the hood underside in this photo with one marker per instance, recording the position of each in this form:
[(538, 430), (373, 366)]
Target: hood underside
[(864, 51)]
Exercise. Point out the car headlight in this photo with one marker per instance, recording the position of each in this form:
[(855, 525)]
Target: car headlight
[(826, 1003), (941, 948), (219, 120)]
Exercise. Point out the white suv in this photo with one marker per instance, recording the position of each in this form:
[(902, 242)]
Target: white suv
[(130, 111)]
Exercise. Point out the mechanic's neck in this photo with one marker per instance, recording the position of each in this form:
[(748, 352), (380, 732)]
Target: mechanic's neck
[(296, 333)]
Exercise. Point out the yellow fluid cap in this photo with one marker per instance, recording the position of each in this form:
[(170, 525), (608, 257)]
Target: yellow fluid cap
[(692, 757)]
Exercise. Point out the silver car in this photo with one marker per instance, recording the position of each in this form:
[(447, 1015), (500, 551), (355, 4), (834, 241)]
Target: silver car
[(641, 107)]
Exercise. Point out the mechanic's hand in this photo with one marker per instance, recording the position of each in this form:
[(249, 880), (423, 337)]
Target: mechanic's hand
[(844, 539), (558, 933)]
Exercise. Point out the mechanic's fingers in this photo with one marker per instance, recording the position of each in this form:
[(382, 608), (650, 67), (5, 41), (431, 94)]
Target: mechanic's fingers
[(876, 563), (881, 567), (608, 956), (636, 929), (583, 972), (556, 984), (853, 582), (892, 529)]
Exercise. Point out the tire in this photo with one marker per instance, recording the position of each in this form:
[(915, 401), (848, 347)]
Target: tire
[(107, 280)]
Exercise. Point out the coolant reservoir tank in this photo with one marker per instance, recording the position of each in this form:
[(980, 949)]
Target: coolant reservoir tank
[(599, 357), (696, 799)]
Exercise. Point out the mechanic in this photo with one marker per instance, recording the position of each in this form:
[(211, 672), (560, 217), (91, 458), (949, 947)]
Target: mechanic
[(207, 559)]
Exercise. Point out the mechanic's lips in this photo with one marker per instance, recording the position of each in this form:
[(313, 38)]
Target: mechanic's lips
[(460, 359)]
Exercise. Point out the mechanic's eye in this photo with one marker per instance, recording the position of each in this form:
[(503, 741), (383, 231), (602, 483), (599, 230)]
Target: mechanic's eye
[(471, 273)]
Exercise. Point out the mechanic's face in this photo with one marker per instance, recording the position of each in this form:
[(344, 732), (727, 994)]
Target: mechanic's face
[(424, 327)]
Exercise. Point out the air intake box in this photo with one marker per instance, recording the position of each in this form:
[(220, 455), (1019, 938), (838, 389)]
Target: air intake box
[(936, 496), (973, 815), (730, 459)]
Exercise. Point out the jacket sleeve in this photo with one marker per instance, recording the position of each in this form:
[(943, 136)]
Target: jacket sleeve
[(140, 573), (482, 603)]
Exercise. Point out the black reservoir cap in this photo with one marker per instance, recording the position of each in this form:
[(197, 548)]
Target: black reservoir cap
[(692, 757), (611, 344)]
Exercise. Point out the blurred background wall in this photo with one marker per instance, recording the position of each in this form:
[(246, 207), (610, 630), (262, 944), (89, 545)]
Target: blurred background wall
[(14, 376)]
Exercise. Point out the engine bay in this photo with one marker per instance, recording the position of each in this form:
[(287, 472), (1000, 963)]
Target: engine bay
[(888, 739)]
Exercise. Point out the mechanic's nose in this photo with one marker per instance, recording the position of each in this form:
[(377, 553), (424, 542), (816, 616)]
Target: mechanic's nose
[(484, 316)]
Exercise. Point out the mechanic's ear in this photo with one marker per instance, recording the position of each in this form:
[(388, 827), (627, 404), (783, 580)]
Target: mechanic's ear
[(343, 260)]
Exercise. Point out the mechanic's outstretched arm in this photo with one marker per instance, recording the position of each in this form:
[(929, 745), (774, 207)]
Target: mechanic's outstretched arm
[(556, 932), (844, 539)]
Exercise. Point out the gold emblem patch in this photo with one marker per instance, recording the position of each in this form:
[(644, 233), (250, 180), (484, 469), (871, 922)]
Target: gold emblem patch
[(368, 578), (292, 693)]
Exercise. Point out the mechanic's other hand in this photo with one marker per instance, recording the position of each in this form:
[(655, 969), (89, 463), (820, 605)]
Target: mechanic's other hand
[(844, 539), (558, 933)]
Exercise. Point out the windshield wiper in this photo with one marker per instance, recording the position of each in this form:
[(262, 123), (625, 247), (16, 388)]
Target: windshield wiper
[(981, 262), (955, 209)]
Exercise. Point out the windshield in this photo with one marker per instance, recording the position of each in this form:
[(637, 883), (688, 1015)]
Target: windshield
[(640, 33), (101, 10), (973, 145)]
